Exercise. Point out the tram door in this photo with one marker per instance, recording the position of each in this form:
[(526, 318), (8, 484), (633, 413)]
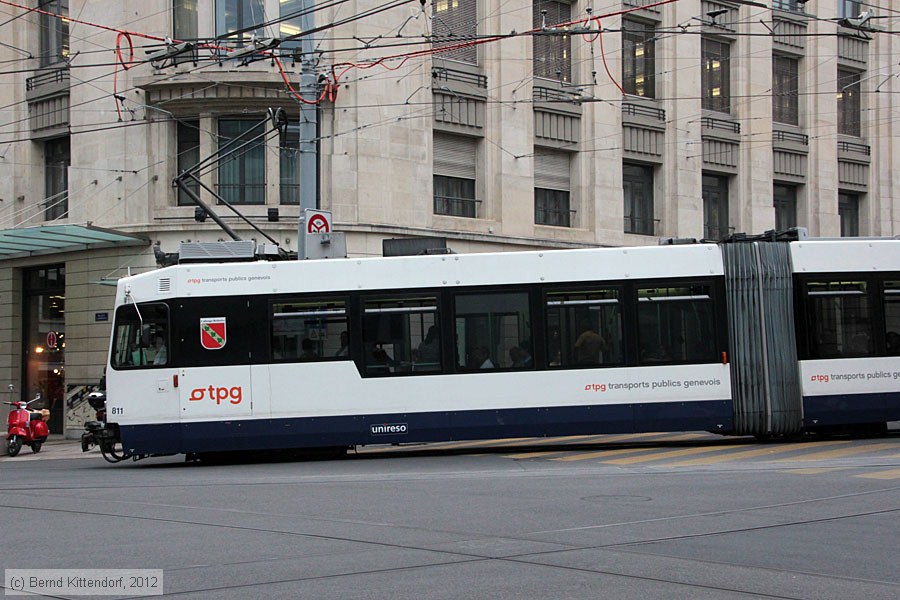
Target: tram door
[(214, 359)]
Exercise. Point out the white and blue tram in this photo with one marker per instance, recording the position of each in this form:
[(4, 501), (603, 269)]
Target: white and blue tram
[(761, 338)]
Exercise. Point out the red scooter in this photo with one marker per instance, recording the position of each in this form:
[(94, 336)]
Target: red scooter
[(26, 427)]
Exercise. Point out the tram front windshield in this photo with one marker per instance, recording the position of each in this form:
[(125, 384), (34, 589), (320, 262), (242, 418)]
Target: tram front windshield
[(141, 336)]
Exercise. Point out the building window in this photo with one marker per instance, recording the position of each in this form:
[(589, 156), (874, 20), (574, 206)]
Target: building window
[(638, 59), (848, 102), (785, 200), (242, 170), (785, 90), (716, 78), (184, 26), (455, 22), (57, 158), (454, 196), (848, 211), (454, 175), (292, 24), (188, 149), (715, 207), (184, 19), (849, 9), (551, 187), (54, 32), (289, 165), (637, 187), (791, 5), (551, 207), (552, 53), (238, 15)]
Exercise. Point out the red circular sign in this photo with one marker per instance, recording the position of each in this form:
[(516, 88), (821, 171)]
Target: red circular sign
[(51, 339), (318, 224)]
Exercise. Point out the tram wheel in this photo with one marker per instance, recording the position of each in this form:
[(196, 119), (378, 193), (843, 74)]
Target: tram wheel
[(13, 445), (36, 446)]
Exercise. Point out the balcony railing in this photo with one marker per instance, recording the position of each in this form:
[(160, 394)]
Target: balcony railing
[(642, 226), (546, 94), (48, 77), (641, 3), (235, 193), (557, 217), (445, 74), (723, 124), (456, 207), (290, 193), (790, 136), (639, 110), (711, 232), (854, 147)]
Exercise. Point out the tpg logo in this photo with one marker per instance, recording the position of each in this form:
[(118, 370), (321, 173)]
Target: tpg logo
[(389, 429), (218, 394)]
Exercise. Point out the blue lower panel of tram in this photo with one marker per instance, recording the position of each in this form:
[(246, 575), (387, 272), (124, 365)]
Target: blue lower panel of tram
[(849, 409), (265, 434)]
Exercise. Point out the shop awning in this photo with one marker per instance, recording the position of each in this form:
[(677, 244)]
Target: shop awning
[(52, 239)]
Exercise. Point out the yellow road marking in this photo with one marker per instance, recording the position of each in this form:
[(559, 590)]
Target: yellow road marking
[(662, 455), (708, 460), (601, 454), (839, 453), (616, 452), (815, 471), (500, 443), (534, 454), (551, 440), (604, 439), (891, 474)]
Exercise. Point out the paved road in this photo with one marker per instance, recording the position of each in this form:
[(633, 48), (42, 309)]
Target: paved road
[(654, 516)]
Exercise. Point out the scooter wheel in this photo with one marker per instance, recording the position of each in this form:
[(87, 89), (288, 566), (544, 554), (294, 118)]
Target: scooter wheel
[(36, 446), (13, 445)]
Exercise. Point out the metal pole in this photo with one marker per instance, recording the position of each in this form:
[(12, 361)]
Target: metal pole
[(308, 113)]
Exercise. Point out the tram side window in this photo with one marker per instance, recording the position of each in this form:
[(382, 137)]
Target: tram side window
[(310, 331), (676, 325), (584, 328), (401, 335), (892, 317), (840, 320), (141, 338), (493, 331)]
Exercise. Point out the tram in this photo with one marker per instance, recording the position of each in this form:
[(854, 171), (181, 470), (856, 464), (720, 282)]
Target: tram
[(757, 338)]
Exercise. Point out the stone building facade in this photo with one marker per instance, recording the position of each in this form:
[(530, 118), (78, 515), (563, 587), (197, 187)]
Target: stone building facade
[(495, 125)]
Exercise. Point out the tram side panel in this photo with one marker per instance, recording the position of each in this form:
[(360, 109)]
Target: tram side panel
[(848, 319), (849, 372), (340, 407), (242, 382)]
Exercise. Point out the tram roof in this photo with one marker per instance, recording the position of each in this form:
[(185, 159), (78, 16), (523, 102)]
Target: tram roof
[(485, 269)]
